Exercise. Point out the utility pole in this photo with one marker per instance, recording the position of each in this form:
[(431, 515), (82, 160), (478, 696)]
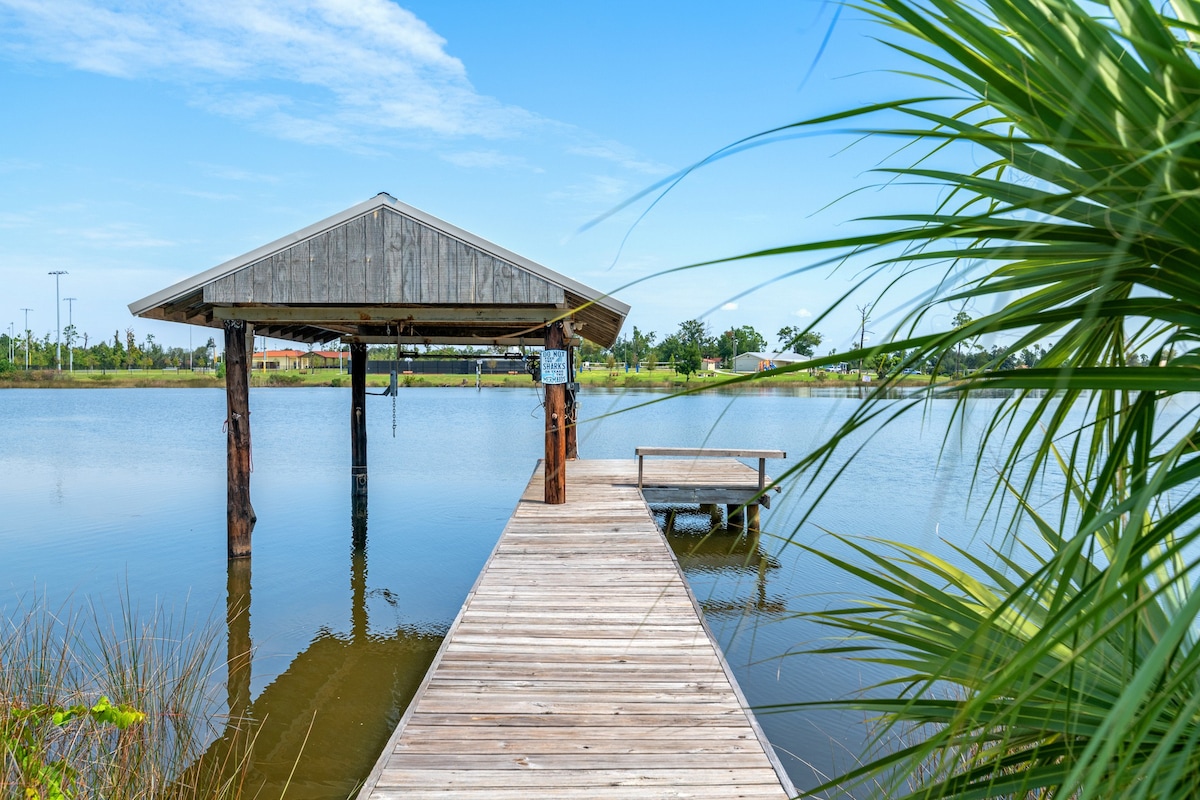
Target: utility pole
[(12, 353), (27, 310), (58, 273), (70, 301)]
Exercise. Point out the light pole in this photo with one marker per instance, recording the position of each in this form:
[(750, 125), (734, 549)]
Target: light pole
[(12, 353), (58, 273), (27, 310), (70, 301)]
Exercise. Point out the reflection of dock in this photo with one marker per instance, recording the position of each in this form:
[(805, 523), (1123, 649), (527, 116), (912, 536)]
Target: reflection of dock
[(579, 667), (315, 729)]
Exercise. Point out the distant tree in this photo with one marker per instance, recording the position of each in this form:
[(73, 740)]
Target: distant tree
[(739, 340), (693, 331), (689, 361), (795, 339)]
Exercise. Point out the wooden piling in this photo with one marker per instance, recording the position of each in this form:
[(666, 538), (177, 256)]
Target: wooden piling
[(556, 425), (737, 517), (239, 513), (716, 519), (752, 517), (358, 422)]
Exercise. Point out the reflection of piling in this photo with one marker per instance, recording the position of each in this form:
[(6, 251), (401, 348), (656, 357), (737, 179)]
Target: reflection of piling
[(238, 644), (716, 520), (358, 577)]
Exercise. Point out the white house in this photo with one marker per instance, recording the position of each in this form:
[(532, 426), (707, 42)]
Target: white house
[(757, 362)]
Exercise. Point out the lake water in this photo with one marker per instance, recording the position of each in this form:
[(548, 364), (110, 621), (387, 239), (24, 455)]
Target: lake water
[(115, 491)]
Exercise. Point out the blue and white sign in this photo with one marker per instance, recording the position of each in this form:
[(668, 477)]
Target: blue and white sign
[(554, 367)]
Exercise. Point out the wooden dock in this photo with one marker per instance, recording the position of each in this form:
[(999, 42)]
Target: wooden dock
[(580, 667)]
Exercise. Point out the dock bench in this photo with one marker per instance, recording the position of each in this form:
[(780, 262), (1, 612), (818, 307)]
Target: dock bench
[(722, 494)]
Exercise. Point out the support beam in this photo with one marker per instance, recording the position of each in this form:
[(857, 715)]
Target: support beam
[(556, 424), (358, 424), (239, 513)]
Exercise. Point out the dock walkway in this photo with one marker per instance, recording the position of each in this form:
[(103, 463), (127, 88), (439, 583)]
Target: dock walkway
[(579, 667)]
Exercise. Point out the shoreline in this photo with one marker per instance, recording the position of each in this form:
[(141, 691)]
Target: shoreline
[(184, 379)]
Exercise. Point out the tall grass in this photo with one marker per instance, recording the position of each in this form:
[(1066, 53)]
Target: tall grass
[(162, 665)]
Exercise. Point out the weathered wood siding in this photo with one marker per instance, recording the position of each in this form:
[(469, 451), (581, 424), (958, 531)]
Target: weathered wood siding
[(383, 257)]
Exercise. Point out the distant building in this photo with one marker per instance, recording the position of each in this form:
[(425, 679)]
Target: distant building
[(276, 359), (757, 362)]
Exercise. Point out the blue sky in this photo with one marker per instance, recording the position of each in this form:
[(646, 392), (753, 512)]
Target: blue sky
[(144, 143)]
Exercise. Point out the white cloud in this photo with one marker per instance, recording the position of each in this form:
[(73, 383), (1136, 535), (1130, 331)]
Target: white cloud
[(119, 234), (487, 159), (729, 307), (619, 154), (373, 65), (803, 313)]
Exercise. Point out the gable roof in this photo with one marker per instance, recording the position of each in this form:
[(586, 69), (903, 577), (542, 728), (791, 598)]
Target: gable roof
[(383, 271)]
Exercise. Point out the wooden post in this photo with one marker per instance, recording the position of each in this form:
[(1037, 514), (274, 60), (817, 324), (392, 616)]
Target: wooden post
[(715, 518), (239, 513), (736, 515), (556, 424), (358, 423), (752, 518), (572, 407)]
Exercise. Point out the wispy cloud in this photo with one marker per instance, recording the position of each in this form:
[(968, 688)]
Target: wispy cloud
[(119, 234), (488, 159), (622, 155), (730, 307), (369, 65), (803, 313)]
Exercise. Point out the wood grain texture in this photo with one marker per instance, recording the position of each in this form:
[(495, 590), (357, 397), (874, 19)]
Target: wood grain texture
[(579, 666)]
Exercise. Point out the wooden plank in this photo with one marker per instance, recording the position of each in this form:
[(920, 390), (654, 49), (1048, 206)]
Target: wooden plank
[(260, 281), (337, 265), (281, 278), (356, 261), (485, 268), (447, 287), (579, 666), (502, 280), (299, 273), (319, 272), (709, 452), (243, 285), (393, 249), (375, 266), (410, 260), (465, 257), (429, 263)]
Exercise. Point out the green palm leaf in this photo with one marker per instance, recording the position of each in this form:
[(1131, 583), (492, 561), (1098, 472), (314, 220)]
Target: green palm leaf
[(1067, 666)]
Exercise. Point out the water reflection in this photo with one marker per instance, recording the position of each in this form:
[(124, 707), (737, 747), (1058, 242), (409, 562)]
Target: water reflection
[(318, 727), (708, 548)]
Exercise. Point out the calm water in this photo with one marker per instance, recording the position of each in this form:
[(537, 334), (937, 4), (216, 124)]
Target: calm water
[(108, 489)]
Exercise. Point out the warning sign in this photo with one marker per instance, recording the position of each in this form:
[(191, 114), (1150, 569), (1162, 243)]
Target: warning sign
[(554, 367)]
